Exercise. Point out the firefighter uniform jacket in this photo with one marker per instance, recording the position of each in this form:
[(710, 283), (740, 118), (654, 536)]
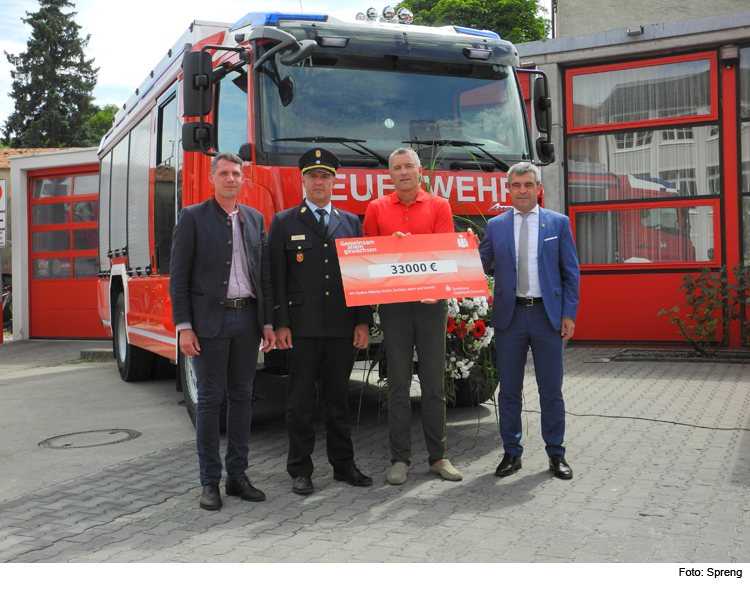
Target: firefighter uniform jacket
[(308, 291)]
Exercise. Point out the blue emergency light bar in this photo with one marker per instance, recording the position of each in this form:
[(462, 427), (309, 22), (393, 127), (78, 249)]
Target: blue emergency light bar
[(477, 32), (271, 18)]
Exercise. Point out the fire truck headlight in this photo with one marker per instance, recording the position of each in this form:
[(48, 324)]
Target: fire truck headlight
[(372, 14), (360, 16), (388, 13)]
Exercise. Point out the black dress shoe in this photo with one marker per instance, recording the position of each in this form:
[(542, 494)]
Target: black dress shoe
[(508, 465), (241, 487), (352, 476), (302, 485), (560, 467), (211, 497)]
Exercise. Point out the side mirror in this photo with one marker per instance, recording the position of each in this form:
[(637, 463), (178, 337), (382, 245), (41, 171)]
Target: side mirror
[(197, 84), (197, 136), (286, 91), (246, 152), (542, 105), (545, 151)]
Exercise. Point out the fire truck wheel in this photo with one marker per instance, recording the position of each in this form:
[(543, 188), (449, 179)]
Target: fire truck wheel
[(135, 364), (164, 369), (190, 391)]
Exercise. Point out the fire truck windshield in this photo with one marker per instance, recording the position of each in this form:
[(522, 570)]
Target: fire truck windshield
[(387, 101)]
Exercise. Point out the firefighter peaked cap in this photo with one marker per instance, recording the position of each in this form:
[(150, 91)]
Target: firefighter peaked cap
[(318, 159)]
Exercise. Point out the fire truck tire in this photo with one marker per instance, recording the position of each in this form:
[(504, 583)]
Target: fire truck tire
[(135, 364), (190, 392), (164, 369)]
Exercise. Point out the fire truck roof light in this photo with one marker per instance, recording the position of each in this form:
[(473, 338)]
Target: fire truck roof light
[(477, 54), (332, 41), (477, 32), (271, 18)]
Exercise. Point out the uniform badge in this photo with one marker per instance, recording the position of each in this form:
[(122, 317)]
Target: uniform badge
[(303, 210), (300, 257), (317, 153), (298, 237)]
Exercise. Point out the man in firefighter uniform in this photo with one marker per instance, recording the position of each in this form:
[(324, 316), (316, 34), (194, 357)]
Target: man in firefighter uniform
[(312, 321), (222, 306)]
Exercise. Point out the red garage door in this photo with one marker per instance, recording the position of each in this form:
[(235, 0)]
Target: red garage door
[(63, 218)]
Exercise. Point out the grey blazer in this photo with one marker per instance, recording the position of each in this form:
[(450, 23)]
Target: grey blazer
[(201, 262)]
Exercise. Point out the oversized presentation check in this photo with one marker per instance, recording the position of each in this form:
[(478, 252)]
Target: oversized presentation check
[(388, 269)]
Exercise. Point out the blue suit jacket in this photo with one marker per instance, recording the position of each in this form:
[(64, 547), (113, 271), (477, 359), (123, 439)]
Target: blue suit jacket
[(559, 275)]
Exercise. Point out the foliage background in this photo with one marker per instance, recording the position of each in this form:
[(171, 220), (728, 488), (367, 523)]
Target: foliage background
[(517, 21)]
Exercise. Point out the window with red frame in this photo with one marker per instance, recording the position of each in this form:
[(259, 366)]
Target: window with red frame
[(64, 214), (643, 155), (745, 150)]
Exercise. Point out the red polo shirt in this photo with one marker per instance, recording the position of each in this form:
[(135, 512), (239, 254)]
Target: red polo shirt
[(427, 214)]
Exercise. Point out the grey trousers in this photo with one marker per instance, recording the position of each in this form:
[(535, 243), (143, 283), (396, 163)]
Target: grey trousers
[(405, 326)]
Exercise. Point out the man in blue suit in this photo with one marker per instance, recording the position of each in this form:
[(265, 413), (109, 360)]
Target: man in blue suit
[(531, 252)]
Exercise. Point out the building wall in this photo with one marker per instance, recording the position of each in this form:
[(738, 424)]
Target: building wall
[(611, 15), (600, 157)]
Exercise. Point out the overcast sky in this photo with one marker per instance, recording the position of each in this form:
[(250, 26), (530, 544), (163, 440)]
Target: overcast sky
[(129, 38)]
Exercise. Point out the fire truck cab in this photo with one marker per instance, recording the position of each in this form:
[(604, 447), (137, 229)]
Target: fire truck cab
[(269, 87)]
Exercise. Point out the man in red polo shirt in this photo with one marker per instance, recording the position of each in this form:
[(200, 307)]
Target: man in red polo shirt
[(410, 210)]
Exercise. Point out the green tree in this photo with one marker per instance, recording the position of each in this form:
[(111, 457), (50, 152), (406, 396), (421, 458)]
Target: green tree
[(52, 82), (97, 125), (515, 20)]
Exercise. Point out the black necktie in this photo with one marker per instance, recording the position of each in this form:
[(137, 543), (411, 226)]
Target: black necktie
[(323, 225)]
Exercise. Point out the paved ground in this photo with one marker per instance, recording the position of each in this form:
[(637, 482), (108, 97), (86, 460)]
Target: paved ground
[(660, 451)]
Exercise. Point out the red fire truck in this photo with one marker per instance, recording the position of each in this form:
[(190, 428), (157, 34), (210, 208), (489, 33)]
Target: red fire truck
[(269, 87)]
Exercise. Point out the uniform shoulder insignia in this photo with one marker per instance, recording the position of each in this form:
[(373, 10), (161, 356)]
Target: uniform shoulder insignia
[(336, 211), (303, 210)]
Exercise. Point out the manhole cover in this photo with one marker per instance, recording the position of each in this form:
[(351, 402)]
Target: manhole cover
[(89, 439)]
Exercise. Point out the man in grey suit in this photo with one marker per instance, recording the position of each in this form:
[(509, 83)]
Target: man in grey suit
[(222, 305)]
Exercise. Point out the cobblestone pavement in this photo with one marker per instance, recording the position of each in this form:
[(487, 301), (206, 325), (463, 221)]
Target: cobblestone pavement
[(660, 453)]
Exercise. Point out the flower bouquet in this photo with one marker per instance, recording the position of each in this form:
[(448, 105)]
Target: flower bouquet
[(470, 357)]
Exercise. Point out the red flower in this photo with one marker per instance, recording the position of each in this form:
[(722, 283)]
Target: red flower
[(461, 329), (479, 329), (451, 325), (489, 300)]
